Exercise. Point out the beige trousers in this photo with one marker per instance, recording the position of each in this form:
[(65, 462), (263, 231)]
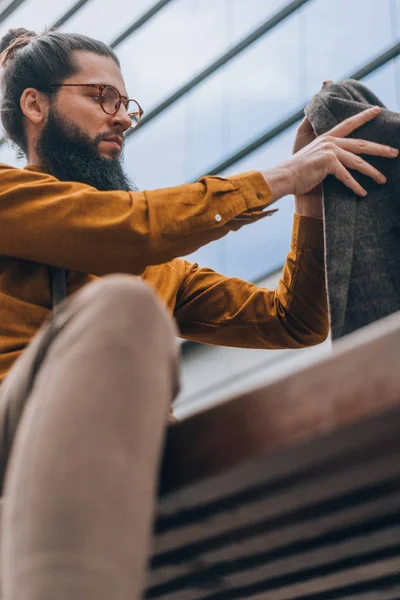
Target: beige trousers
[(82, 417)]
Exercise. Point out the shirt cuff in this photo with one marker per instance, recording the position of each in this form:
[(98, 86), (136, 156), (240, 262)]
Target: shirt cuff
[(255, 190), (248, 193), (307, 232)]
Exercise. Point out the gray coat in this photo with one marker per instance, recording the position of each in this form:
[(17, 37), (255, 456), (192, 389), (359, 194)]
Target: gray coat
[(362, 235)]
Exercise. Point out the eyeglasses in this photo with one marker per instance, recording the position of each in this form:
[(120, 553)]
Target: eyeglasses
[(111, 100)]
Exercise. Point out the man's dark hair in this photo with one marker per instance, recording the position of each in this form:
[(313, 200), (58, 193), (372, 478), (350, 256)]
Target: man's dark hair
[(37, 61)]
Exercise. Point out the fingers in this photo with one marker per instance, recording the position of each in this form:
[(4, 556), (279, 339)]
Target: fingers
[(349, 125), (352, 161), (365, 147), (341, 173)]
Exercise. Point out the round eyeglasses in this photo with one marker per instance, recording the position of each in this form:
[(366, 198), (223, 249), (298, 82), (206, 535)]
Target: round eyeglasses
[(111, 100)]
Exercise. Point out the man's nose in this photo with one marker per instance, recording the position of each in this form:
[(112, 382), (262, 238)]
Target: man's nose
[(122, 119)]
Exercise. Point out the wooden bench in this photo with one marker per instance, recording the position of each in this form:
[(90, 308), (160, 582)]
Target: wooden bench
[(291, 491)]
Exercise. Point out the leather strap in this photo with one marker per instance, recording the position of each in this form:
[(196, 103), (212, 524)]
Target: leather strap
[(58, 286)]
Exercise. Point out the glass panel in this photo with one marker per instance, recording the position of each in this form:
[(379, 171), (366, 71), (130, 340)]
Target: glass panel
[(237, 103), (212, 256), (207, 123), (94, 18), (183, 39), (247, 16), (155, 156), (165, 53), (36, 15), (260, 248), (339, 37), (264, 83), (383, 83), (395, 8)]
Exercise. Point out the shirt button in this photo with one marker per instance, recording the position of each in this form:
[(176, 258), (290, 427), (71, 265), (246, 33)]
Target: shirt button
[(218, 218)]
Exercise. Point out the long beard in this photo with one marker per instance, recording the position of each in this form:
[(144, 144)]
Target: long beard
[(67, 152)]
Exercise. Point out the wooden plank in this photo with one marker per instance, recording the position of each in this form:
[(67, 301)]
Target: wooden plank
[(305, 498), (285, 468), (360, 379), (333, 559), (291, 490), (392, 593), (292, 539), (367, 576), (377, 575)]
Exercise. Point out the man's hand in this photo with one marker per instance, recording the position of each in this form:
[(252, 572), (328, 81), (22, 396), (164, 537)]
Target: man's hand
[(330, 154)]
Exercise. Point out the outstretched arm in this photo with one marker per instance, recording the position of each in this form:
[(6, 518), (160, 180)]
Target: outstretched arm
[(215, 309), (72, 225)]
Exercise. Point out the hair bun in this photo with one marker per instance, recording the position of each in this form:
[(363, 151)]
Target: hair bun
[(12, 41), (13, 34)]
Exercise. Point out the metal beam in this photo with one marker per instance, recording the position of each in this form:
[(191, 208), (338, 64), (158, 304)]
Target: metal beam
[(10, 9), (17, 3), (139, 22), (220, 62), (70, 13)]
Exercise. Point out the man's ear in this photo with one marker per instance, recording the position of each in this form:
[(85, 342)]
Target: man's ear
[(34, 105)]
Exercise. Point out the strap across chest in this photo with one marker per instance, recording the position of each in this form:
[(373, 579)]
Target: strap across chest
[(58, 286)]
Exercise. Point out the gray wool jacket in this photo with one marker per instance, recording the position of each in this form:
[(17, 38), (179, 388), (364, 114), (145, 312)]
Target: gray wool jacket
[(362, 235)]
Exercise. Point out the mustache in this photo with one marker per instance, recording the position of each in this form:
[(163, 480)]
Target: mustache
[(112, 135)]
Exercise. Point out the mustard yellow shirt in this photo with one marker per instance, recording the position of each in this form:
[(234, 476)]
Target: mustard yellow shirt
[(44, 221)]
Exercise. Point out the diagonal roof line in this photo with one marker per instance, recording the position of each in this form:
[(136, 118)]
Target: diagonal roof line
[(139, 22), (17, 3), (270, 134), (272, 22), (70, 13), (10, 9), (288, 10)]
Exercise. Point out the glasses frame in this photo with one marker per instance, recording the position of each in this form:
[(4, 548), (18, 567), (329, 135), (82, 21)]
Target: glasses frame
[(101, 86)]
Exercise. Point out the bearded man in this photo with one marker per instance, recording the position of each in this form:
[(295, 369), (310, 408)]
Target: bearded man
[(85, 393)]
